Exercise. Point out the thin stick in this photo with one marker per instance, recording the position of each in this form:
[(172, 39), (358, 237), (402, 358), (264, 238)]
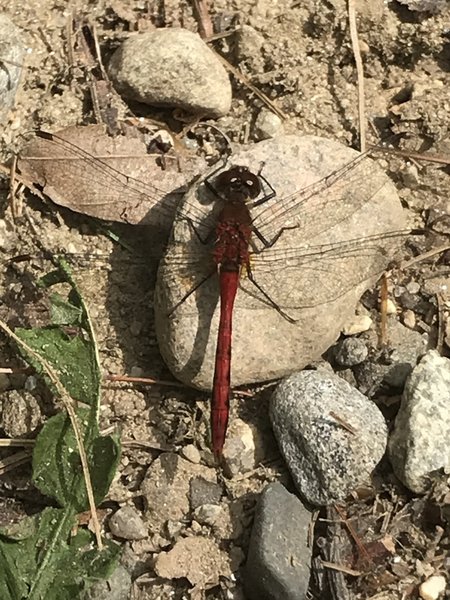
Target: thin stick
[(436, 158), (145, 380), (359, 73), (14, 461), (254, 89), (202, 16), (68, 403), (408, 263)]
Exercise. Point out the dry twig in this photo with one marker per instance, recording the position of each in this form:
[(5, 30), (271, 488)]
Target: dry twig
[(359, 73)]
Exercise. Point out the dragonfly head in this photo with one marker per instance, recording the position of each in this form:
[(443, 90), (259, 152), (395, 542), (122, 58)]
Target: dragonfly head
[(238, 183)]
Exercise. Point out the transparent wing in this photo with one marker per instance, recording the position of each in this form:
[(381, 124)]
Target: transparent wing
[(321, 205), (75, 178)]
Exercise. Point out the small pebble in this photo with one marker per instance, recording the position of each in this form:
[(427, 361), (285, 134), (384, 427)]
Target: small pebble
[(239, 449), (191, 453), (409, 318), (432, 588), (351, 351), (413, 287), (358, 324), (279, 555), (267, 124), (21, 414), (127, 524), (207, 514), (391, 308)]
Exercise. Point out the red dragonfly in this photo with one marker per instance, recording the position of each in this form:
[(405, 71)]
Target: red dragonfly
[(259, 233)]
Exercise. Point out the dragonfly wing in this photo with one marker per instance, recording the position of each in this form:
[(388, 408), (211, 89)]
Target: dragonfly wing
[(84, 169), (351, 182), (307, 277)]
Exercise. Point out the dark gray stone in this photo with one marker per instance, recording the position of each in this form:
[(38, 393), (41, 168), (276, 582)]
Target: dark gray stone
[(392, 369), (350, 352), (202, 491), (278, 563)]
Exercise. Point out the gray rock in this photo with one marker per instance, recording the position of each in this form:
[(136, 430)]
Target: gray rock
[(117, 587), (330, 435), (419, 443), (350, 352), (11, 56), (203, 492), (393, 366), (172, 68), (279, 558), (431, 6), (126, 523), (166, 489), (315, 288)]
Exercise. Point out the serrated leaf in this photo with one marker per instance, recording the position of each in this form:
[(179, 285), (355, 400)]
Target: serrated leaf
[(52, 564), (57, 470), (73, 358)]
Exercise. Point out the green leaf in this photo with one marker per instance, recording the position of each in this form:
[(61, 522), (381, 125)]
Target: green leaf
[(57, 470), (51, 564), (73, 358), (64, 312)]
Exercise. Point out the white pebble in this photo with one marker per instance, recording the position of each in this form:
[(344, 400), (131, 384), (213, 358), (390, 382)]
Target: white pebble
[(409, 318), (358, 324), (191, 453), (432, 588), (391, 308)]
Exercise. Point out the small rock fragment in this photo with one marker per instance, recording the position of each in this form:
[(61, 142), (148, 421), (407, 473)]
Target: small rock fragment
[(197, 559), (279, 556), (419, 443), (406, 346), (358, 324), (173, 68), (391, 308), (432, 588), (431, 6), (330, 434), (409, 318), (202, 491), (351, 351), (267, 124), (166, 488), (239, 449), (126, 523), (116, 587), (191, 453), (208, 514), (21, 414)]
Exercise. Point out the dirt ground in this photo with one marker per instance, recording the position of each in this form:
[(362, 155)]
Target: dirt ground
[(300, 56)]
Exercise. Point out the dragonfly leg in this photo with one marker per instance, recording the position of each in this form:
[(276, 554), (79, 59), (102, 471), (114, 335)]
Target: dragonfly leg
[(268, 298), (190, 292), (267, 196), (209, 185)]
